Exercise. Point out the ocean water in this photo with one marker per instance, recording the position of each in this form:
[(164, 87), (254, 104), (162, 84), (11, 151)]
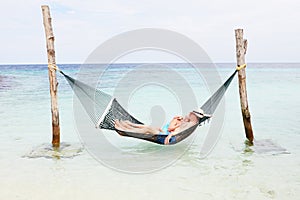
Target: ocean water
[(30, 169)]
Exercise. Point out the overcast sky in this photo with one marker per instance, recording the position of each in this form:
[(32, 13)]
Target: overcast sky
[(272, 27)]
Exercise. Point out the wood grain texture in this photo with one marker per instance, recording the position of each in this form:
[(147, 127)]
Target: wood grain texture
[(52, 75), (241, 49)]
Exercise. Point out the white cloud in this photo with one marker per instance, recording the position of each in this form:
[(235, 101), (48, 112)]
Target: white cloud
[(271, 26)]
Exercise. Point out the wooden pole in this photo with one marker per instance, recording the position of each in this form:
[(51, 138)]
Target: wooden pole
[(52, 75), (241, 49)]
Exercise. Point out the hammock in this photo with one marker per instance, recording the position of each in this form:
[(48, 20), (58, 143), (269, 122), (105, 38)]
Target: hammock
[(95, 101)]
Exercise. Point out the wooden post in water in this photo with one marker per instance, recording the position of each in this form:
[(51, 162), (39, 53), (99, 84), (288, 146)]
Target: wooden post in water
[(241, 49), (52, 75)]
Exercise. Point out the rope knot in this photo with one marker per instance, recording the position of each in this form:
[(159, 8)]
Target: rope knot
[(239, 67), (51, 66)]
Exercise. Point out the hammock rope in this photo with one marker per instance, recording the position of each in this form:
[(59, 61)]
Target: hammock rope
[(103, 109)]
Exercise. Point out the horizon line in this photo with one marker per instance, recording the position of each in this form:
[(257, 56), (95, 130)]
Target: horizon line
[(64, 63)]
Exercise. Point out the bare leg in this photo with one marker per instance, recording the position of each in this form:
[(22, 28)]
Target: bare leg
[(143, 129), (125, 124), (151, 130), (122, 125), (135, 125), (118, 125)]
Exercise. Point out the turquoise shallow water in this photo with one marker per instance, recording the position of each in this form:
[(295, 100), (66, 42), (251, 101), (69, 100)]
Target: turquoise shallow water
[(231, 171)]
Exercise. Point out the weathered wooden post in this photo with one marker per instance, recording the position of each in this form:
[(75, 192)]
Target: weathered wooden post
[(52, 76), (241, 49)]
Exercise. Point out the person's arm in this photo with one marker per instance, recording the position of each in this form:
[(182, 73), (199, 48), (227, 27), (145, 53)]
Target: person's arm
[(175, 123)]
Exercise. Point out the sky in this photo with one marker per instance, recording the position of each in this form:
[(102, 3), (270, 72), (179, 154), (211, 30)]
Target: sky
[(272, 27)]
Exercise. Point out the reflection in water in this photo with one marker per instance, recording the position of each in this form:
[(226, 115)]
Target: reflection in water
[(264, 146), (47, 151)]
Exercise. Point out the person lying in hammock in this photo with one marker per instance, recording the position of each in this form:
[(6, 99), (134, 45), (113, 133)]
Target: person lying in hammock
[(176, 125)]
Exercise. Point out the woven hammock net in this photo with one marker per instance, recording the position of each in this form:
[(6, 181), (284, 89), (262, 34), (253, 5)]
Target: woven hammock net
[(103, 110)]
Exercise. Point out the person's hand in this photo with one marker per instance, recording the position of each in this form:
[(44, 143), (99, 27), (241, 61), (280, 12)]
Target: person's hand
[(167, 139)]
